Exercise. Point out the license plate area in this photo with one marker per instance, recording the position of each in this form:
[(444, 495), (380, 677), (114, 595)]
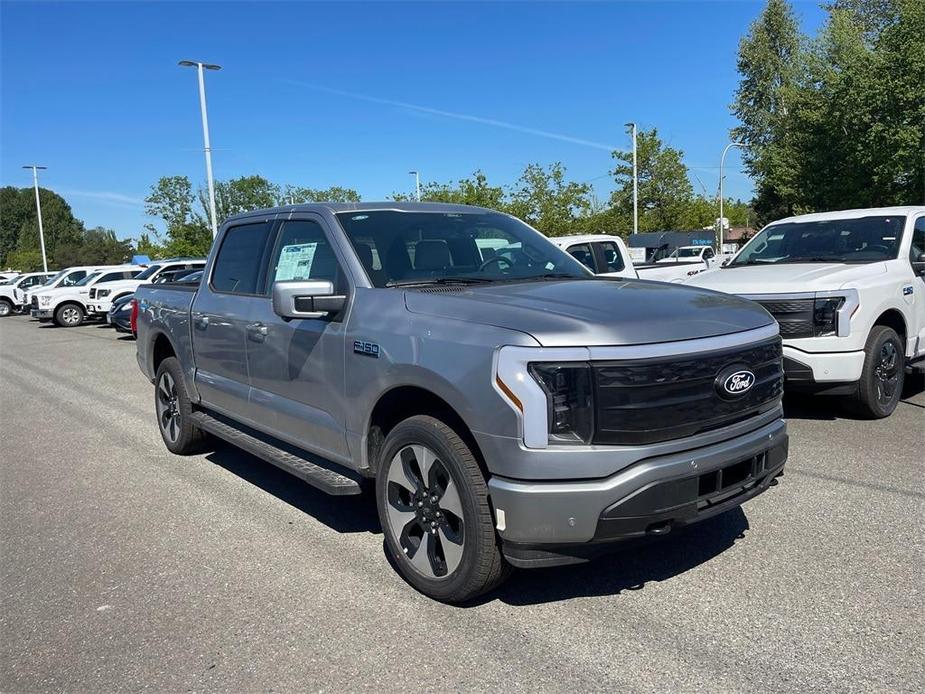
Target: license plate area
[(719, 485)]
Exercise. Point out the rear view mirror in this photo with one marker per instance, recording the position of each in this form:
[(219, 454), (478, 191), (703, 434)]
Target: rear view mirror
[(306, 299), (918, 265)]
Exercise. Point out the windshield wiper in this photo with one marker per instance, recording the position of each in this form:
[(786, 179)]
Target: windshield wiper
[(440, 280), (817, 259), (751, 261)]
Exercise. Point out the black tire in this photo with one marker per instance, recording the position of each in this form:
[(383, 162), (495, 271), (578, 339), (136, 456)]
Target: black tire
[(481, 566), (6, 308), (174, 410), (883, 375), (69, 315)]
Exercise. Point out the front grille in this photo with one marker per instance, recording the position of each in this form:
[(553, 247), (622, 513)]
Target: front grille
[(35, 302), (795, 316), (652, 400)]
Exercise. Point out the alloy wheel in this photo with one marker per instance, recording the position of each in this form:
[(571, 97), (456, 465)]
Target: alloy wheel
[(70, 316), (887, 372), (168, 408), (425, 511), (4, 309)]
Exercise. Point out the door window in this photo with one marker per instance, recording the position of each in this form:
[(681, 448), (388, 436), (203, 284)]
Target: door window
[(582, 253), (304, 253), (610, 254), (73, 278), (708, 253), (918, 240), (238, 264)]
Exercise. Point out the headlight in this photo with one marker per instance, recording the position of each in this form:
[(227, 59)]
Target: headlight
[(569, 400), (44, 300), (825, 315), (100, 293)]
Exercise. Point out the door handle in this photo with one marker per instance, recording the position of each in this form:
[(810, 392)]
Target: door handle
[(256, 332), (201, 322)]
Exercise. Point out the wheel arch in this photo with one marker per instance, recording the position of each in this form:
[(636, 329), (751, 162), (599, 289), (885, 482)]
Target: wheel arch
[(894, 318)]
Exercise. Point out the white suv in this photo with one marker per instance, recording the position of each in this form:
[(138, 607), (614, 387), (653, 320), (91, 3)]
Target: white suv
[(848, 290), (66, 303), (101, 297)]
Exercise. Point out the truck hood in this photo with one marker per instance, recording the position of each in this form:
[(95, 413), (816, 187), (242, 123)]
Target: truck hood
[(593, 312), (60, 291), (783, 279)]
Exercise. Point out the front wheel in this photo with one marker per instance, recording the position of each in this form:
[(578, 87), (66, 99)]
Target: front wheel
[(883, 375), (69, 315), (433, 506), (6, 308)]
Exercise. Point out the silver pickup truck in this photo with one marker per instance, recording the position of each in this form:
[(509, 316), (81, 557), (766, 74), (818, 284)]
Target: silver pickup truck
[(512, 408)]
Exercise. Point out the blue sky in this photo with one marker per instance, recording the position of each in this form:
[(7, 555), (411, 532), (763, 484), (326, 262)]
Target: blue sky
[(356, 94)]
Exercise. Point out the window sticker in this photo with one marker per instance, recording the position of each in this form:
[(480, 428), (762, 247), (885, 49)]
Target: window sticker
[(295, 262)]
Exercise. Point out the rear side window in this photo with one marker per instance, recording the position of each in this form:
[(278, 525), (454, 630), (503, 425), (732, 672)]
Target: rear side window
[(610, 254), (237, 266)]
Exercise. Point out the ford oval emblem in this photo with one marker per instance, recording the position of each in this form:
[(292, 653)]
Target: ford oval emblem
[(739, 382)]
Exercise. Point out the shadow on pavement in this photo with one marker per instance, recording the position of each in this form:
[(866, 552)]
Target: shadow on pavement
[(345, 514), (831, 407)]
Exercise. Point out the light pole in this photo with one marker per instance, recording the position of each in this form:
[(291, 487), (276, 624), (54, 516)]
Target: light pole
[(201, 67), (722, 161), (635, 182), (38, 208), (417, 185)]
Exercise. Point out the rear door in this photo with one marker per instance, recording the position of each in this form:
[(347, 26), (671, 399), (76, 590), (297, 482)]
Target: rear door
[(221, 311), (297, 366)]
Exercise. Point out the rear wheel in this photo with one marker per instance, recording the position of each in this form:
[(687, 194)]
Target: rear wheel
[(883, 375), (433, 506), (6, 308), (69, 315), (175, 410)]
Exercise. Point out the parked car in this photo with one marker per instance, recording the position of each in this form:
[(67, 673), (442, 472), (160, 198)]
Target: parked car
[(69, 305), (101, 298), (847, 289), (513, 409), (601, 253), (68, 277), (689, 254), (7, 276), (13, 292)]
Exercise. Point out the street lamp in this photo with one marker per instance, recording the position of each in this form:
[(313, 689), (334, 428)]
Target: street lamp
[(38, 207), (201, 67), (635, 182), (722, 161), (417, 184)]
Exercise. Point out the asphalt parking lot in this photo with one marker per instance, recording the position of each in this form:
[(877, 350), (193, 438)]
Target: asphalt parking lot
[(127, 568)]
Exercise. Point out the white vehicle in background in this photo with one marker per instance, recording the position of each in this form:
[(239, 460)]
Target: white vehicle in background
[(848, 291), (681, 264), (690, 254), (601, 253), (101, 297), (66, 303), (13, 292), (7, 277)]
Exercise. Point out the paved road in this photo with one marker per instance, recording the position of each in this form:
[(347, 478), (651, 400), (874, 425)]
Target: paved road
[(124, 567)]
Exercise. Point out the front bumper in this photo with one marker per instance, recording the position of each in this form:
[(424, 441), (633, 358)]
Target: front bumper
[(548, 523), (42, 313), (821, 367)]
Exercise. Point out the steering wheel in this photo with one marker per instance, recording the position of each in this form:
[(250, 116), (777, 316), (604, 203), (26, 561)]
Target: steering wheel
[(496, 259)]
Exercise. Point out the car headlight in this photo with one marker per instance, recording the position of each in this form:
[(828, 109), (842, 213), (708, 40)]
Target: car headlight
[(100, 293), (569, 400), (44, 300), (825, 315)]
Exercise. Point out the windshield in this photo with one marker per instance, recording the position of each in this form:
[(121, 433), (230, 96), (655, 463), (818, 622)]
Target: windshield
[(86, 279), (402, 248), (148, 272), (860, 240), (52, 280)]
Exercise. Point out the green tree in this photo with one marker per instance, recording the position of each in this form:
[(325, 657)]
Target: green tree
[(187, 230), (297, 194), (239, 195), (770, 64), (97, 246), (665, 192), (148, 246), (546, 200), (474, 190)]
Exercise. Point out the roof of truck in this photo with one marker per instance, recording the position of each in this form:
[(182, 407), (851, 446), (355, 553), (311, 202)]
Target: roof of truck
[(392, 205), (850, 214)]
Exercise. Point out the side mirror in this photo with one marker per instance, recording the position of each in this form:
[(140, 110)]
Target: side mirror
[(918, 265), (308, 299)]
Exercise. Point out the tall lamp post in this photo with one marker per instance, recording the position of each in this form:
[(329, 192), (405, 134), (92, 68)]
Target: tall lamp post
[(722, 161), (632, 126), (201, 68), (417, 184), (38, 208)]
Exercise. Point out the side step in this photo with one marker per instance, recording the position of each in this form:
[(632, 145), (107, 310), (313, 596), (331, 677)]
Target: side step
[(326, 480)]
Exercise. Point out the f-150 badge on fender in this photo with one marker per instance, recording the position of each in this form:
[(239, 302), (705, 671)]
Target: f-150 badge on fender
[(370, 349)]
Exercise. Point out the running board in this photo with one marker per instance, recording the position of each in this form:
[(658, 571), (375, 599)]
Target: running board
[(326, 480)]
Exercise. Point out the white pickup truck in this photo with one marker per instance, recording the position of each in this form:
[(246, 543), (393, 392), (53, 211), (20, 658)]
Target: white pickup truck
[(848, 292), (66, 303), (601, 253), (101, 297), (13, 291)]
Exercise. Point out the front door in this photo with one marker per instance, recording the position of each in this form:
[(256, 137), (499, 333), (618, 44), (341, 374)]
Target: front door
[(222, 310), (297, 366)]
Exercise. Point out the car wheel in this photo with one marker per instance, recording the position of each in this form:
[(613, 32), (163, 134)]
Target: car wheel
[(174, 410), (883, 375), (433, 505), (69, 315), (6, 308)]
